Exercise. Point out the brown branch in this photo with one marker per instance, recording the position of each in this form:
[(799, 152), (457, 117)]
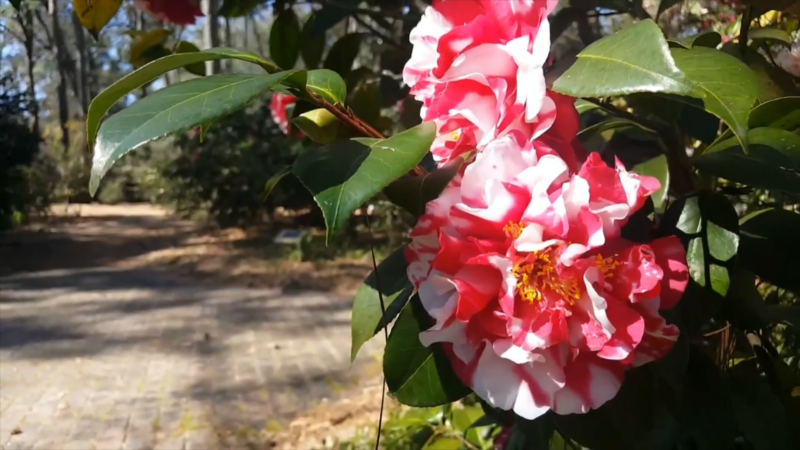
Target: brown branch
[(357, 124)]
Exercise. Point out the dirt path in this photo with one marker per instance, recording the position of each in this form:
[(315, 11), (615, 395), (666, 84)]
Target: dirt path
[(97, 352)]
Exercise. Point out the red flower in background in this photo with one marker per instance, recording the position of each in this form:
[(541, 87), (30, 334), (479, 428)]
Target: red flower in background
[(179, 12), (277, 106)]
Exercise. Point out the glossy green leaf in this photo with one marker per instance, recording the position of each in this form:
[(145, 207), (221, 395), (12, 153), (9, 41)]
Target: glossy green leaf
[(284, 39), (636, 59), (783, 113), (770, 245), (772, 161), (345, 174), (114, 93), (238, 8), (725, 86), (582, 106), (774, 82), (710, 225), (320, 125), (328, 85), (343, 53), (368, 318), (174, 109), (312, 44), (198, 69), (711, 40), (658, 169), (773, 34), (274, 180), (417, 375), (412, 193)]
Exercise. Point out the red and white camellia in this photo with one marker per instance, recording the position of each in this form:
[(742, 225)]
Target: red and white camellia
[(538, 302), (179, 12), (277, 106), (477, 67)]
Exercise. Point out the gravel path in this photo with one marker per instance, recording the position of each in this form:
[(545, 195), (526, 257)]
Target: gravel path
[(97, 357)]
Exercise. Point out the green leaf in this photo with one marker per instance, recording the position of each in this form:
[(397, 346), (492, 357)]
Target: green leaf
[(114, 93), (343, 53), (273, 181), (711, 39), (582, 106), (665, 5), (771, 163), (16, 3), (312, 44), (443, 443), (658, 169), (328, 85), (726, 87), (368, 318), (463, 419), (284, 39), (320, 125), (198, 69), (175, 109), (774, 82), (770, 245), (772, 34), (238, 8), (783, 113), (417, 375), (710, 225), (636, 59), (345, 174), (412, 193)]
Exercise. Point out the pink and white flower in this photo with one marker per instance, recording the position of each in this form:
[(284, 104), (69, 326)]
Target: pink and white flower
[(277, 106), (536, 299), (477, 66)]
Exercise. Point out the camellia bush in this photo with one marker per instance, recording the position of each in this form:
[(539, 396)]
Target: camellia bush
[(578, 300)]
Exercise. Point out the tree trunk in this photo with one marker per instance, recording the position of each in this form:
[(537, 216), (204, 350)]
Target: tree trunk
[(228, 62), (63, 106), (28, 27), (211, 33), (80, 41)]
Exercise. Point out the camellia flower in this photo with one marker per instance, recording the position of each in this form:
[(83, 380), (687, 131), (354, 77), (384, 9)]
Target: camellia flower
[(477, 67), (277, 106), (538, 302), (179, 12)]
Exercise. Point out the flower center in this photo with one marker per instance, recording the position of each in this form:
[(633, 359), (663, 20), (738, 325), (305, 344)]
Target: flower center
[(537, 273), (513, 230), (606, 266)]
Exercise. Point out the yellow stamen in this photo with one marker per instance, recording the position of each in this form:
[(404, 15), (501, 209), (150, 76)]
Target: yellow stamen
[(513, 230), (538, 273), (606, 266)]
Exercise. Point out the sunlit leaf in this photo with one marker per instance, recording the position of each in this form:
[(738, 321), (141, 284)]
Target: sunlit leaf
[(658, 169), (345, 174), (114, 93), (174, 109), (320, 125)]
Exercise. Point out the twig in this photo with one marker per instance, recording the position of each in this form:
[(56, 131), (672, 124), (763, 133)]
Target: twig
[(357, 124)]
